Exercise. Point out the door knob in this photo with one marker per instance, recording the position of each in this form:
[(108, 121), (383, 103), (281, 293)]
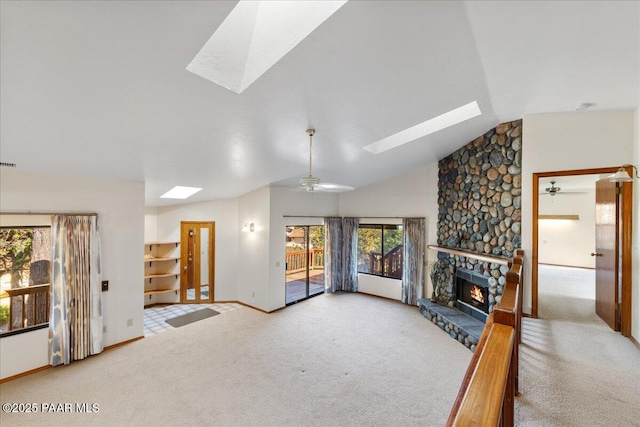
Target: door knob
[(596, 254)]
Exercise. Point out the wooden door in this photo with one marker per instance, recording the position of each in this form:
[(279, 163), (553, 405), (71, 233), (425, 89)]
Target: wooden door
[(197, 254), (607, 244)]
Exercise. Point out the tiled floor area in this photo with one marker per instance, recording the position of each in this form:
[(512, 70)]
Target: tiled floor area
[(154, 317)]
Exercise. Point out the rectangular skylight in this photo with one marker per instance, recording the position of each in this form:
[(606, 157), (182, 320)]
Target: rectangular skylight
[(179, 192), (433, 125), (256, 35)]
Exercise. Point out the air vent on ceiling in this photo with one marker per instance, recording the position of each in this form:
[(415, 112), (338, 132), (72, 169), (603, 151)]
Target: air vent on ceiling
[(7, 165)]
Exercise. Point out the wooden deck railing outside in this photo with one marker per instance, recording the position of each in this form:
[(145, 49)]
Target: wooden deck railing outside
[(392, 261), (28, 306), (488, 390), (297, 260)]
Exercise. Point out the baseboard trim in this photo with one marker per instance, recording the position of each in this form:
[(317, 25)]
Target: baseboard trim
[(42, 368), (252, 307), (634, 341), (24, 374), (120, 344), (380, 296)]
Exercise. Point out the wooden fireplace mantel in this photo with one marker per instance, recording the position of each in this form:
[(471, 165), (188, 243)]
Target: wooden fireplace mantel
[(475, 255)]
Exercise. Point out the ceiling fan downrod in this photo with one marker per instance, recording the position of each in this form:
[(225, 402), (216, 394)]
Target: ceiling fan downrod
[(310, 182)]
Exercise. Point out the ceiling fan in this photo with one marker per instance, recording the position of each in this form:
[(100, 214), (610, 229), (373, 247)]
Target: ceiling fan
[(553, 190), (311, 183)]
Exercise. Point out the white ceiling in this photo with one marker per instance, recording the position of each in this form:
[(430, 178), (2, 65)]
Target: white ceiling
[(100, 89)]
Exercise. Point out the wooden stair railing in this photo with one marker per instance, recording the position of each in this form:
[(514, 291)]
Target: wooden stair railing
[(488, 390)]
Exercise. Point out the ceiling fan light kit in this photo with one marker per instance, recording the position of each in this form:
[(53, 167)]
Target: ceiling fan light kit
[(553, 190), (309, 182)]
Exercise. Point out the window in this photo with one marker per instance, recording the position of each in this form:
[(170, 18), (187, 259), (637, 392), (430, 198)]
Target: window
[(25, 255), (380, 250)]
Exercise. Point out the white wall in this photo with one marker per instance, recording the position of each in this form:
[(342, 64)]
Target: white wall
[(568, 242), (287, 202), (568, 141), (253, 249), (120, 206), (414, 194), (150, 224), (225, 214)]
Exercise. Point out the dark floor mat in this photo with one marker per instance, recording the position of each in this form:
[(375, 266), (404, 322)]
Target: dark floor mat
[(194, 316)]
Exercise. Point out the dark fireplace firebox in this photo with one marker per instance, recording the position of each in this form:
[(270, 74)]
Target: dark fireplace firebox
[(472, 296)]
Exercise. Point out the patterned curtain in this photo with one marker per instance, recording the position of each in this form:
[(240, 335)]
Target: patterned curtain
[(333, 254), (75, 323), (350, 254), (414, 237)]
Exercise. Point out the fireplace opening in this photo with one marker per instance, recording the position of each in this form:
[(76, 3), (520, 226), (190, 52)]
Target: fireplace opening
[(472, 293), (476, 296)]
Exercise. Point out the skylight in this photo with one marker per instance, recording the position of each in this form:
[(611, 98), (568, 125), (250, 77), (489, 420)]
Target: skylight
[(433, 125), (255, 36), (179, 192)]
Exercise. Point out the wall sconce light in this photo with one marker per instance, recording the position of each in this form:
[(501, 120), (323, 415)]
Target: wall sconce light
[(250, 227), (622, 175)]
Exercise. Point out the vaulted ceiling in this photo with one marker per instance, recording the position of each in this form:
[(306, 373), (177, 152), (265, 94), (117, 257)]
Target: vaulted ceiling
[(100, 89)]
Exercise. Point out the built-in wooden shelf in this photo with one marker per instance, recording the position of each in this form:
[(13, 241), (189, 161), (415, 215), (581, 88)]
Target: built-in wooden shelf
[(152, 244), (481, 257), (160, 276), (564, 217), (161, 243), (161, 259), (161, 262), (160, 291)]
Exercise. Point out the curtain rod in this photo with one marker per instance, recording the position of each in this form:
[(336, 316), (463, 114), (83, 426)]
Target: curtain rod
[(364, 217), (50, 213)]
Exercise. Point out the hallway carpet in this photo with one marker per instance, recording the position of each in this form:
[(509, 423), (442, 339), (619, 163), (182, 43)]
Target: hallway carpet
[(574, 370)]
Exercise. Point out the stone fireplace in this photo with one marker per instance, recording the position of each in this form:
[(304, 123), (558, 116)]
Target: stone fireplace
[(472, 294), (479, 228)]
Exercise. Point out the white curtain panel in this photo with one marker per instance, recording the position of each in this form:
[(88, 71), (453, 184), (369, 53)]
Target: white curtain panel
[(75, 322), (414, 237), (350, 254), (333, 254)]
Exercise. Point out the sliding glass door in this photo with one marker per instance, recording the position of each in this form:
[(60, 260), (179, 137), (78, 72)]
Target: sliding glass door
[(304, 277)]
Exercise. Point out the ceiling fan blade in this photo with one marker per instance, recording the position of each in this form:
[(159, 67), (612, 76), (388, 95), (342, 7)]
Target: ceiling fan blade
[(333, 188)]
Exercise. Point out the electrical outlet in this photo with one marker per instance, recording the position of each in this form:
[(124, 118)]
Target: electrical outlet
[(104, 329), (105, 285), (129, 322), (253, 294)]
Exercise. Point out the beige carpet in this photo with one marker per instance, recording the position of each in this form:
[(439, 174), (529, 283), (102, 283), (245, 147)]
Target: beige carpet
[(575, 371), (334, 360)]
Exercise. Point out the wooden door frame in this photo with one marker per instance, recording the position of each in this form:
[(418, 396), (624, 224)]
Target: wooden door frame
[(626, 240), (212, 253)]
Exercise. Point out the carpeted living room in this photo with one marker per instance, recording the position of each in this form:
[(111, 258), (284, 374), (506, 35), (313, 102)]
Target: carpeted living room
[(342, 359), (261, 213)]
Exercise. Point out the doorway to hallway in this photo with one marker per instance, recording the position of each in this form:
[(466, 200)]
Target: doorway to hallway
[(304, 262), (619, 302)]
